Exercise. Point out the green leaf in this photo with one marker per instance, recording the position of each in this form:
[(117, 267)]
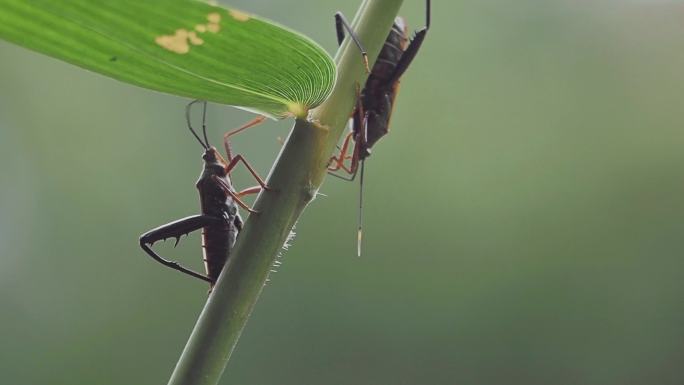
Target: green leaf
[(182, 47)]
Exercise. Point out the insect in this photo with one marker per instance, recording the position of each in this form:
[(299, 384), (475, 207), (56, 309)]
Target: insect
[(219, 219), (374, 103)]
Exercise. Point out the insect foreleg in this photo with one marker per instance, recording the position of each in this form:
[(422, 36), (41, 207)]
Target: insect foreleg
[(337, 162), (240, 158), (226, 141)]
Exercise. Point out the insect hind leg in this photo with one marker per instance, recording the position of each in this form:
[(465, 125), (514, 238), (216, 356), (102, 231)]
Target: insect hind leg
[(341, 24), (411, 51), (176, 229)]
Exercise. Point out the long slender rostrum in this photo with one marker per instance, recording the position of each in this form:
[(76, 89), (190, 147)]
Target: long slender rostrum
[(296, 176)]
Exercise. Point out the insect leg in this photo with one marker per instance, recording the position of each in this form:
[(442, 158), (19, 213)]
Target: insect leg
[(358, 133), (236, 197), (176, 229), (240, 158), (250, 190), (339, 27), (338, 161), (344, 177), (352, 171), (341, 24), (226, 142), (411, 51)]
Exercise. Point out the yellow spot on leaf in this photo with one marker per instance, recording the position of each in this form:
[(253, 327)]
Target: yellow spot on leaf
[(213, 28), (181, 40), (177, 42), (194, 39), (238, 15), (214, 18)]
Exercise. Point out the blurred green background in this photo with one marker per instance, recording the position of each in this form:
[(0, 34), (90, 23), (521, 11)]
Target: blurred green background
[(524, 220)]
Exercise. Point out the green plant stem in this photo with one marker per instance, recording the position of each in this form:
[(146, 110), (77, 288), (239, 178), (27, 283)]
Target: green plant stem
[(296, 176)]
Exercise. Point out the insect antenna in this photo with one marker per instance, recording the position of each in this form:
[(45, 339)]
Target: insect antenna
[(204, 123), (188, 108), (359, 234), (427, 14)]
